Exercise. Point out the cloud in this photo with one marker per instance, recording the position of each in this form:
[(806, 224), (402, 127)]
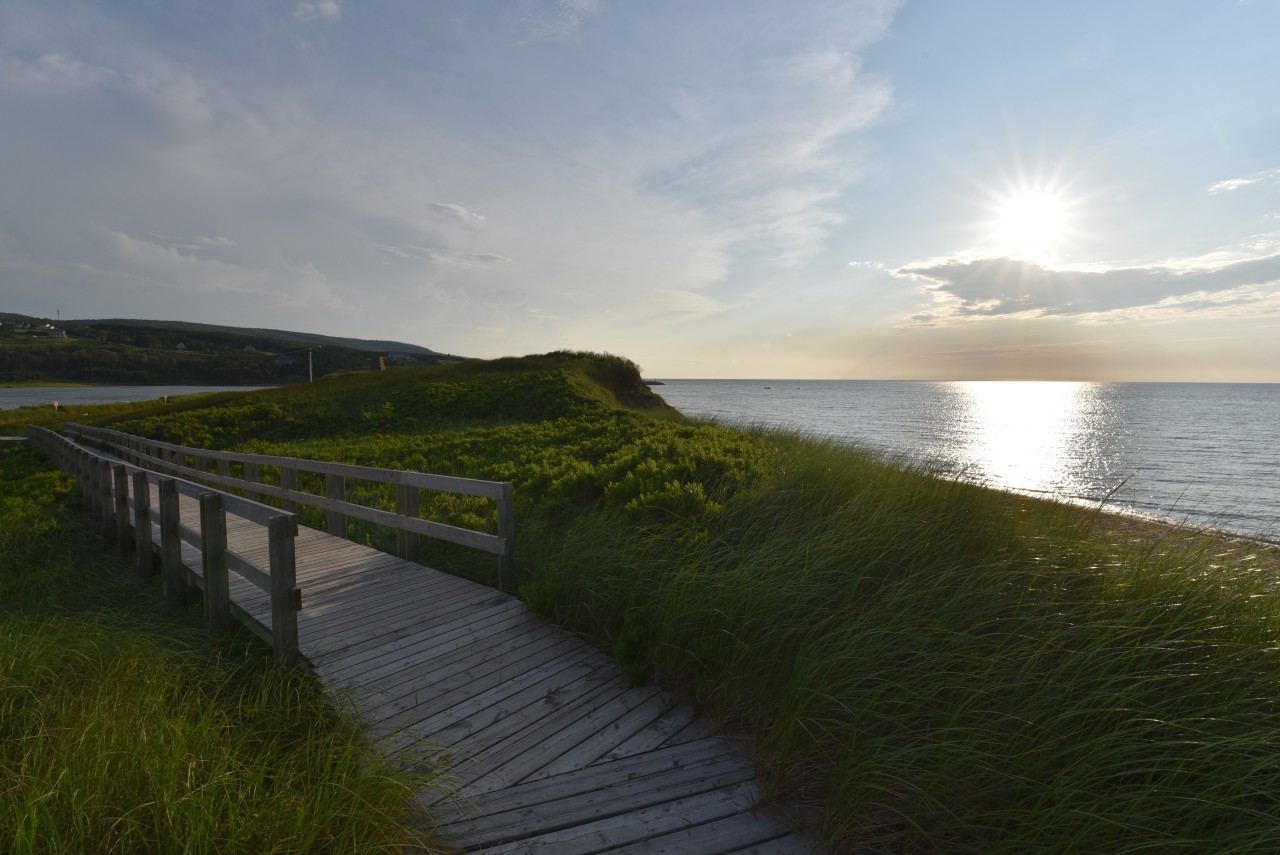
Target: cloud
[(448, 257), (976, 288), (135, 262), (559, 22), (1236, 183), (318, 10), (769, 167), (458, 212)]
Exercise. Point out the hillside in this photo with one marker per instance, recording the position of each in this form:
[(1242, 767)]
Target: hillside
[(145, 352), (934, 666)]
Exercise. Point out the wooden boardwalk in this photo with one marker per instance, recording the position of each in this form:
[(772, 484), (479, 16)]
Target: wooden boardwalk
[(549, 750)]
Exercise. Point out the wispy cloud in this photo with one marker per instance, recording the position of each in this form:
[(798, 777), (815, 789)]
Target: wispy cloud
[(559, 20), (1236, 183), (137, 262), (318, 10), (458, 212), (435, 255), (769, 167)]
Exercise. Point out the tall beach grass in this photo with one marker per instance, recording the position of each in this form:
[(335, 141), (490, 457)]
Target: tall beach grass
[(122, 729), (952, 669)]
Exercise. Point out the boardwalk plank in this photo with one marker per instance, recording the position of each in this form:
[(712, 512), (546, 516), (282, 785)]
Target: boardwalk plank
[(655, 734), (602, 824), (487, 701), (433, 693), (722, 835), (420, 654), (391, 642), (638, 717), (619, 773)]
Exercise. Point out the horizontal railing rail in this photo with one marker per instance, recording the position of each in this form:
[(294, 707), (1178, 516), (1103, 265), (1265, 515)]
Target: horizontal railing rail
[(110, 486), (193, 463)]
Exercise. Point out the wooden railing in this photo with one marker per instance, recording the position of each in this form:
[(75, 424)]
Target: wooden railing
[(109, 488), (194, 464)]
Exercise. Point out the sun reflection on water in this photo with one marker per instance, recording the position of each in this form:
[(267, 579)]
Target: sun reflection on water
[(1028, 435)]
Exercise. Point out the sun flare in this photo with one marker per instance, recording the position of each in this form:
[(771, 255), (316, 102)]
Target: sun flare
[(1030, 223)]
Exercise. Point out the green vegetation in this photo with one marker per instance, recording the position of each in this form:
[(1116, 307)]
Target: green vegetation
[(122, 731), (945, 668), (127, 352)]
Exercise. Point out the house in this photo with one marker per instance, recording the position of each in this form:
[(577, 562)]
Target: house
[(54, 332), (181, 346), (248, 348)]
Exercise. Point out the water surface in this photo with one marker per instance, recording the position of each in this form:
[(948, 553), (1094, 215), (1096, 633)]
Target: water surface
[(1201, 452)]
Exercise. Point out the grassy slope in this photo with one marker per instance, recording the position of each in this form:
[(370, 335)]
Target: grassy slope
[(947, 668), (122, 731)]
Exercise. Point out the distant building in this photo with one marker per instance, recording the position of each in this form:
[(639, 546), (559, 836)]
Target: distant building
[(55, 333), (181, 346), (282, 361), (248, 348)]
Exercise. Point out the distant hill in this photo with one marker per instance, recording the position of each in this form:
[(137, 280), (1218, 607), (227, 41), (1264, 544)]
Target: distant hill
[(314, 339), (125, 350)]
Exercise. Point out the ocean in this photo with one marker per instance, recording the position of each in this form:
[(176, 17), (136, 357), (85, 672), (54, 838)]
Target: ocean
[(1207, 454)]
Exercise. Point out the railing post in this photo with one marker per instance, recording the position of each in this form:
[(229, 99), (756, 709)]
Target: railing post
[(142, 522), (507, 531), (408, 543), (80, 468), (286, 599), (224, 467), (213, 553), (121, 479), (289, 481), (170, 542), (335, 487), (103, 471), (251, 477)]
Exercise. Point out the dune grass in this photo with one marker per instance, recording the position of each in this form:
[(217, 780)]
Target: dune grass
[(942, 668), (952, 669), (123, 730)]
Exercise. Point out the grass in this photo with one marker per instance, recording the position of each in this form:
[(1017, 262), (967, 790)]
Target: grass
[(939, 667), (954, 670), (122, 730)]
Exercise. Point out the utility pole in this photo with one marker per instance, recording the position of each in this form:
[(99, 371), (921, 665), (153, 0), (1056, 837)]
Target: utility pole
[(311, 377)]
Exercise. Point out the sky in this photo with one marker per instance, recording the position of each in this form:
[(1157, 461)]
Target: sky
[(928, 189)]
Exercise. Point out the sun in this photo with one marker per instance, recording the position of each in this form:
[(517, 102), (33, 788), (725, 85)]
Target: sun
[(1031, 223)]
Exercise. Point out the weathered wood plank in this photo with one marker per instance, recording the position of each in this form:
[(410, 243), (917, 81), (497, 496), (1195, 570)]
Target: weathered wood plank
[(654, 735), (631, 771), (509, 735), (510, 754), (723, 835), (592, 721), (370, 663), (413, 689), (604, 820), (637, 717), (407, 702), (488, 699)]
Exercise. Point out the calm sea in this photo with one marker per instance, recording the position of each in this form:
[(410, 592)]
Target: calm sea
[(69, 396), (1206, 453)]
